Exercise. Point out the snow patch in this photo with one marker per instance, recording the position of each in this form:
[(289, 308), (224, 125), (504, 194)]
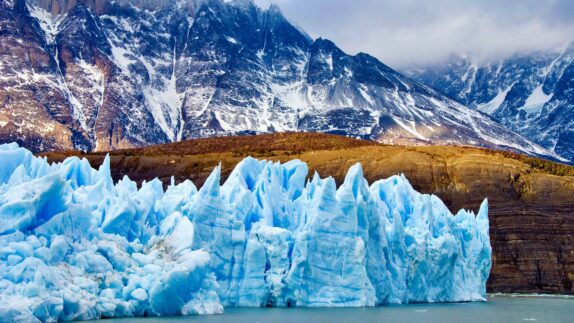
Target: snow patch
[(260, 53), (412, 128), (329, 61), (365, 94), (121, 57), (49, 23), (232, 40), (165, 106), (122, 23), (96, 79), (495, 103), (536, 100)]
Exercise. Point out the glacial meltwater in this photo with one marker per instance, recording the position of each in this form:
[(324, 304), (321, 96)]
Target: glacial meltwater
[(505, 308)]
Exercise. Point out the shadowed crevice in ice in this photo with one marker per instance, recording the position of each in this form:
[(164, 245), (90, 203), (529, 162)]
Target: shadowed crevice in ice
[(74, 245)]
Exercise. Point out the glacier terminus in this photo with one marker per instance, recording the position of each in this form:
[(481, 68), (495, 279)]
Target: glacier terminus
[(74, 245)]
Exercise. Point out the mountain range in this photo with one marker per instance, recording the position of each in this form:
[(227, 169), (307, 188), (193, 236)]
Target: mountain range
[(530, 93), (99, 75)]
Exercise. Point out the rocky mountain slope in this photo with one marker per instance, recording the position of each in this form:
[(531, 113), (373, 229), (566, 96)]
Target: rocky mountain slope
[(531, 210), (530, 93), (100, 75)]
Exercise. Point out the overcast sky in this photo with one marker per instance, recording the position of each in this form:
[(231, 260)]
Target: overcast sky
[(408, 32)]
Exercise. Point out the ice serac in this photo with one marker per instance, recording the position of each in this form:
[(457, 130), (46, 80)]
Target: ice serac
[(76, 246)]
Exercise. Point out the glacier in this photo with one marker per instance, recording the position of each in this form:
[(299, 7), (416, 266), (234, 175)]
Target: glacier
[(74, 245)]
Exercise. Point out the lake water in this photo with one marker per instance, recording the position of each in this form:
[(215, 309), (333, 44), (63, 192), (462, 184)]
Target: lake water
[(497, 309)]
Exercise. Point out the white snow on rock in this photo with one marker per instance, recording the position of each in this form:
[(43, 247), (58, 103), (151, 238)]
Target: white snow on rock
[(232, 40), (76, 246), (491, 106), (49, 23), (536, 101)]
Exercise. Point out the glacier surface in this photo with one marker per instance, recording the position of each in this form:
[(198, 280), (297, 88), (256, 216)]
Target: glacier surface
[(74, 245)]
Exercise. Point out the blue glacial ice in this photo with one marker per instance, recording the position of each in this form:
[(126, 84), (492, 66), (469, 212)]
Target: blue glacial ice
[(76, 246)]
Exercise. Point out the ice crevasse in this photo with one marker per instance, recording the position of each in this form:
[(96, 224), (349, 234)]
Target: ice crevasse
[(74, 245)]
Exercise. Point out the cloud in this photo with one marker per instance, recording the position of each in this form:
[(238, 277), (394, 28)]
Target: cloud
[(411, 32)]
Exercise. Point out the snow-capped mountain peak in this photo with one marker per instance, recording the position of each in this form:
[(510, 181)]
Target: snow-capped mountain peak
[(129, 73), (529, 93)]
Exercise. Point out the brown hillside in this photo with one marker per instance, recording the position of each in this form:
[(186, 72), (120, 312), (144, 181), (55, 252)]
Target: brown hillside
[(531, 200)]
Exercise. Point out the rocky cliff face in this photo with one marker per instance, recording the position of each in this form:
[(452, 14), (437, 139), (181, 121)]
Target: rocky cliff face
[(104, 75), (34, 108), (529, 93)]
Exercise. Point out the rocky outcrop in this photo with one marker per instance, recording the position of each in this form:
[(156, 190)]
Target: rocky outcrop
[(34, 110)]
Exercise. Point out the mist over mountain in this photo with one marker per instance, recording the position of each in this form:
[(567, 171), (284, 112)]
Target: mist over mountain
[(417, 32), (531, 93)]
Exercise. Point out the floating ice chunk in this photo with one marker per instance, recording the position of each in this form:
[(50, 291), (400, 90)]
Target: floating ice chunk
[(76, 246)]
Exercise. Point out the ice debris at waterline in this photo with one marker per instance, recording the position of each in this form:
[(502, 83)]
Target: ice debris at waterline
[(74, 246)]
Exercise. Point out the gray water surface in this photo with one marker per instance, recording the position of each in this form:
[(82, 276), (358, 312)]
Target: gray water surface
[(497, 309)]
